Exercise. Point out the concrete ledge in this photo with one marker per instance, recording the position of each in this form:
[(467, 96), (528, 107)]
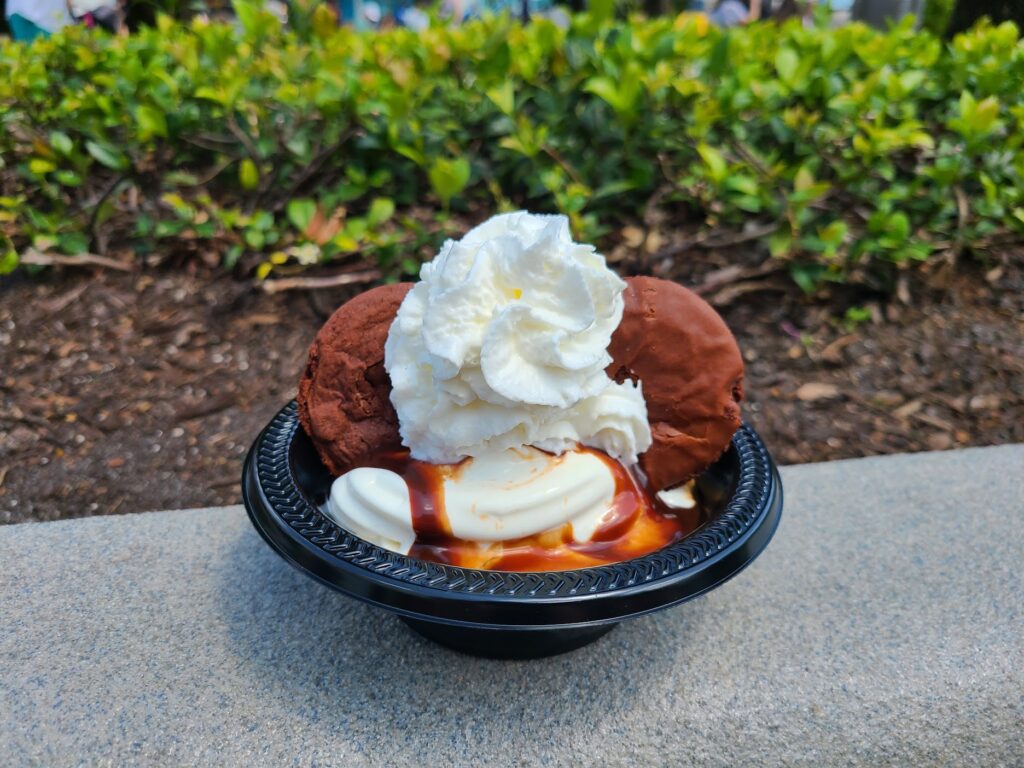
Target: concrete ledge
[(882, 626)]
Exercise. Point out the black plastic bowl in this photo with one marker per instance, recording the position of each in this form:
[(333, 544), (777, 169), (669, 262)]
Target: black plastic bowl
[(498, 613)]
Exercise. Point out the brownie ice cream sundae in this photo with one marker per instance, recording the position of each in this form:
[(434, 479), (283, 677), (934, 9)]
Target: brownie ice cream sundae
[(521, 407)]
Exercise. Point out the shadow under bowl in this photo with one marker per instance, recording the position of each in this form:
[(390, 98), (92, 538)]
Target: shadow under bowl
[(501, 614)]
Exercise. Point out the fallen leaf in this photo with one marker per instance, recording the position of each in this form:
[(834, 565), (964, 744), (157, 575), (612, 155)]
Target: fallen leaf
[(886, 399), (934, 421), (908, 410), (814, 390), (655, 241), (985, 402), (903, 290), (833, 353), (260, 319), (633, 236)]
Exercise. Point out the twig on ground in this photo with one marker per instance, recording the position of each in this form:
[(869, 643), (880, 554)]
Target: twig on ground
[(962, 212), (315, 283), (754, 233), (707, 242), (62, 302), (207, 408), (38, 258), (730, 293), (734, 273)]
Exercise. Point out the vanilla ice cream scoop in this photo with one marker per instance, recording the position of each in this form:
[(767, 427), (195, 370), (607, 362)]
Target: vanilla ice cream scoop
[(497, 497), (503, 344)]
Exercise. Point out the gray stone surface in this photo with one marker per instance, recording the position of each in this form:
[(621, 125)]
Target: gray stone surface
[(882, 626)]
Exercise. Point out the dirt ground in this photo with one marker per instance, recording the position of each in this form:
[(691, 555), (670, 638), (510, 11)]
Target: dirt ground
[(133, 392)]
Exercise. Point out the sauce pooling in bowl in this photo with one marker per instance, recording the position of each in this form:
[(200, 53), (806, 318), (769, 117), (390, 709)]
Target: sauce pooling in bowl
[(636, 523)]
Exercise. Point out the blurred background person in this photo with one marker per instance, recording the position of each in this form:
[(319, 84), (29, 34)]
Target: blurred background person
[(734, 13), (29, 19), (97, 13)]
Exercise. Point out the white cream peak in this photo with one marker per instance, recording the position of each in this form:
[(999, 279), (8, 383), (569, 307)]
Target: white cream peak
[(503, 344)]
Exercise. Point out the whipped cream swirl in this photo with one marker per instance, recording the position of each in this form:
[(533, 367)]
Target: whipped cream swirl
[(503, 343)]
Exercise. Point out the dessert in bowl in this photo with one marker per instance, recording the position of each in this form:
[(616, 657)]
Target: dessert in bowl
[(521, 415)]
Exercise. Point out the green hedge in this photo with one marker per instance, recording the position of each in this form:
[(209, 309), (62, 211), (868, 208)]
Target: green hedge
[(870, 150), (936, 15)]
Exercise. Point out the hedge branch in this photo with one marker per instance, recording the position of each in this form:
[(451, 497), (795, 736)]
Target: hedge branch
[(38, 258), (316, 283)]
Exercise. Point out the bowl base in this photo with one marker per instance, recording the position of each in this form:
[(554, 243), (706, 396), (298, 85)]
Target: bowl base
[(508, 643)]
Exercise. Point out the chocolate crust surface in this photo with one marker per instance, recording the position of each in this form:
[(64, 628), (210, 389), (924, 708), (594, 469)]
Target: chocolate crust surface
[(344, 393), (691, 370)]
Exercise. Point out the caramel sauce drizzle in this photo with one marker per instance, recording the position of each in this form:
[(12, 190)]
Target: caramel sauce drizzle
[(636, 524)]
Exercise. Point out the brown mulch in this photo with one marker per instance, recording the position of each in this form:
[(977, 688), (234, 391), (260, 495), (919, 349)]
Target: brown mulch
[(124, 393)]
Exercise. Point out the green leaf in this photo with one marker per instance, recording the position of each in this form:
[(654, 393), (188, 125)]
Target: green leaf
[(807, 276), (614, 188), (718, 61), (747, 185), (68, 178), (833, 234), (780, 244), (449, 177), (181, 178), (381, 209), (412, 153), (8, 261), (262, 220), (898, 226), (106, 155), (803, 180), (255, 239), (601, 10), (324, 23), (714, 160), (152, 122), (967, 105), (604, 88), (234, 253), (248, 174), (621, 94), (61, 143), (40, 166), (786, 64), (300, 213), (255, 19), (985, 114), (73, 243), (912, 79), (504, 97)]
